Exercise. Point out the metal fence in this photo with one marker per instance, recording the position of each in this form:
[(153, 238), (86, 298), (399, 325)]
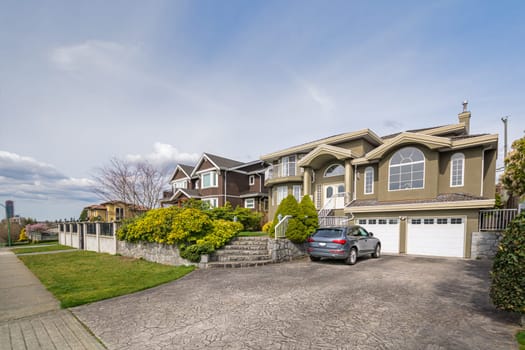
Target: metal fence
[(496, 219)]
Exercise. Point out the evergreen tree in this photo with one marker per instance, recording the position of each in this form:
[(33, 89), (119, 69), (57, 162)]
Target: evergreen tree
[(309, 214)]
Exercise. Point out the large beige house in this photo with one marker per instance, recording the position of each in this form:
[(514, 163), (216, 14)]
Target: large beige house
[(419, 191)]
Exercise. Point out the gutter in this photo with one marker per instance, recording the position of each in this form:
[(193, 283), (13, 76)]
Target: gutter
[(482, 169)]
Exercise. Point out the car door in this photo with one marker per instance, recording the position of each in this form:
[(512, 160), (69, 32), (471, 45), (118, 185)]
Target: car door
[(368, 241), (361, 241)]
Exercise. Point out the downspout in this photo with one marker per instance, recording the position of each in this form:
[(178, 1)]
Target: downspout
[(225, 187)]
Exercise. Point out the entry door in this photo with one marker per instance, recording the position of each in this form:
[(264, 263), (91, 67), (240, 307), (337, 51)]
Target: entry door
[(336, 194)]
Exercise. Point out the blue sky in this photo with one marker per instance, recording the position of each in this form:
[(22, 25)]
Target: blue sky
[(84, 81)]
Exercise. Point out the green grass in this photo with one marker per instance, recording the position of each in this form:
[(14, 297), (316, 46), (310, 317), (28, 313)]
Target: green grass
[(251, 234), (520, 338), (36, 248), (82, 277)]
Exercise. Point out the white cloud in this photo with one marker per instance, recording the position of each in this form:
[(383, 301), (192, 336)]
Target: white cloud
[(104, 55), (165, 155)]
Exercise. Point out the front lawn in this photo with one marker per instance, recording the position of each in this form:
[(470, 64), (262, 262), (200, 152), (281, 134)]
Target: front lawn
[(37, 249), (251, 234), (83, 277)]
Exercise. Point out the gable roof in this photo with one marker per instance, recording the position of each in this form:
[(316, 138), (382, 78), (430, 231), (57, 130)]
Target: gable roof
[(220, 163), (186, 169)]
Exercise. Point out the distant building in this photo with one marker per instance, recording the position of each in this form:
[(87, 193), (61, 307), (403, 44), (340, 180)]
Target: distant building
[(9, 209)]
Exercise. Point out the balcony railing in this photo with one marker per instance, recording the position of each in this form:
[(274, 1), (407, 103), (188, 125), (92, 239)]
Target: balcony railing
[(496, 219), (283, 170)]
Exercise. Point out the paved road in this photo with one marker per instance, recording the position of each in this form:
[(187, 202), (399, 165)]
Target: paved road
[(391, 303), (30, 317)]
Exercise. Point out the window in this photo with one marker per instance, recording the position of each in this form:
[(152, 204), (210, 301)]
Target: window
[(249, 203), (334, 170), (297, 192), (180, 184), (362, 221), (288, 166), (209, 179), (329, 192), (282, 192), (406, 169), (381, 221), (372, 221), (456, 221), (428, 221), (197, 184), (457, 169), (415, 221), (251, 180), (213, 202), (392, 221), (369, 180), (442, 221), (119, 213)]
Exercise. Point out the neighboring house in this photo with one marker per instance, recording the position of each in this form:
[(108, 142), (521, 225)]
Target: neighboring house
[(113, 211), (218, 180), (419, 191)]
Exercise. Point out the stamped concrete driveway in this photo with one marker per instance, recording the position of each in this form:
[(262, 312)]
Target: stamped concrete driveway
[(395, 302)]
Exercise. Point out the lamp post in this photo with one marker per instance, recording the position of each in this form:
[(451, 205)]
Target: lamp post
[(8, 226)]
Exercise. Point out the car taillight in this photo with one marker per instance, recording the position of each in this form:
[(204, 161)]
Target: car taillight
[(339, 241), (310, 240)]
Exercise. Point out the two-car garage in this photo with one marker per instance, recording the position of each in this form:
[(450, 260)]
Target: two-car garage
[(419, 235)]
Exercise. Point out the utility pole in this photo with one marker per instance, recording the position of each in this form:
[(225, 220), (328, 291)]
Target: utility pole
[(505, 121)]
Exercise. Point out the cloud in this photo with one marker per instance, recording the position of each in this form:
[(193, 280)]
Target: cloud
[(23, 177), (103, 55), (165, 155)]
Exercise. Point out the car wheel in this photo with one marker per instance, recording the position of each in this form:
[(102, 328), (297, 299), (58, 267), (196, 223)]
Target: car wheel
[(352, 257), (377, 252), (315, 258)]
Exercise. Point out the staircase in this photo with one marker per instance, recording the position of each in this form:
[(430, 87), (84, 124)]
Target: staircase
[(241, 252)]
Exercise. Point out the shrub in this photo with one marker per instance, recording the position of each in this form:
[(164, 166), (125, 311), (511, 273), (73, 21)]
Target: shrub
[(309, 214), (153, 226), (189, 225), (296, 231), (507, 290), (266, 227), (23, 236), (250, 220)]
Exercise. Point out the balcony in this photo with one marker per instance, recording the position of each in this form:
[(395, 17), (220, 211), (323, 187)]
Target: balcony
[(279, 173)]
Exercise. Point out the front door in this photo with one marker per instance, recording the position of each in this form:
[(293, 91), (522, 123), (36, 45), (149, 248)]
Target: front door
[(335, 194)]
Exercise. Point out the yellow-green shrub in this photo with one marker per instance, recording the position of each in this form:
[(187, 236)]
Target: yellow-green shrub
[(189, 225)]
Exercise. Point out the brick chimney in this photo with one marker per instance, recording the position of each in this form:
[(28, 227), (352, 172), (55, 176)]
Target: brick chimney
[(464, 117)]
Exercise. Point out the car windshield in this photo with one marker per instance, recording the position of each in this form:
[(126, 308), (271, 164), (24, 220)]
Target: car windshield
[(328, 233)]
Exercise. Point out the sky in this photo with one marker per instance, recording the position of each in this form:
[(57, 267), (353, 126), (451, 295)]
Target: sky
[(82, 82)]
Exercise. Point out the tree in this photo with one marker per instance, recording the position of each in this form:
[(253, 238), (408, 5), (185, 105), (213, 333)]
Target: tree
[(508, 270), (309, 214), (83, 215), (136, 183), (296, 231), (513, 178)]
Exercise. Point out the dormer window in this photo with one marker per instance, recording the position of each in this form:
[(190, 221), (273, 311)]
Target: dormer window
[(209, 179), (180, 184), (406, 170)]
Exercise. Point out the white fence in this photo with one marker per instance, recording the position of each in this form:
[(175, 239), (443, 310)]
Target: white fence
[(496, 219), (95, 236)]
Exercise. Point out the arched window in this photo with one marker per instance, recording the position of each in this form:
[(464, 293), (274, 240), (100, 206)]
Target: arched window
[(369, 180), (334, 170), (457, 169), (406, 169)]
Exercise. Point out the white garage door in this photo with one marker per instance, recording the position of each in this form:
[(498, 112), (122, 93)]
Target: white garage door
[(386, 229), (436, 236)]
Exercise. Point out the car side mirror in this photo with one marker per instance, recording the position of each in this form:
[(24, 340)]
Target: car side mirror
[(371, 234)]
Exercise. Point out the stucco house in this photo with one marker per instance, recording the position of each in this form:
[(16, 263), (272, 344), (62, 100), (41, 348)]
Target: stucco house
[(113, 211), (218, 180), (419, 191)]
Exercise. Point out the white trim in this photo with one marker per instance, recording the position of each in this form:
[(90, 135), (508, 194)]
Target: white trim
[(334, 165), (252, 200), (459, 156), (473, 204), (213, 201), (251, 180), (401, 164)]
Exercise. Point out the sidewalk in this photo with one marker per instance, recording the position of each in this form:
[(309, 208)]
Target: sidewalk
[(30, 317)]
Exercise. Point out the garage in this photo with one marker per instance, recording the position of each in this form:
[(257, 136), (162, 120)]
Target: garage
[(443, 236), (386, 229)]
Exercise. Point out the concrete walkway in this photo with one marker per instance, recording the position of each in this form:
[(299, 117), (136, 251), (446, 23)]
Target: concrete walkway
[(30, 317)]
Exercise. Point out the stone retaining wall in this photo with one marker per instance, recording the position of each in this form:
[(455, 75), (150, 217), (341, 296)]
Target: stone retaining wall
[(155, 252), (485, 244), (285, 250)]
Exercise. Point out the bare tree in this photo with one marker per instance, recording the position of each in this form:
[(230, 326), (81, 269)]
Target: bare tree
[(137, 183)]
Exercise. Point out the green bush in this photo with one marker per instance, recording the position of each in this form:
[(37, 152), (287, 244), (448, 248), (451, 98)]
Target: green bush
[(309, 214), (153, 226), (507, 290), (189, 225)]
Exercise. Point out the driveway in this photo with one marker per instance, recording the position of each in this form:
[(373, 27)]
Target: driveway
[(396, 302)]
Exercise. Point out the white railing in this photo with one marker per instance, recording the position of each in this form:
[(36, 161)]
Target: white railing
[(496, 219), (283, 170), (281, 227), (332, 221)]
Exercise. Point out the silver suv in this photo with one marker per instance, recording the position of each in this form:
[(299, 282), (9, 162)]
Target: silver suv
[(344, 243)]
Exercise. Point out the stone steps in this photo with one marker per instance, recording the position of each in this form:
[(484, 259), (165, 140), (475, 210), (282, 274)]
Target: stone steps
[(241, 252)]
